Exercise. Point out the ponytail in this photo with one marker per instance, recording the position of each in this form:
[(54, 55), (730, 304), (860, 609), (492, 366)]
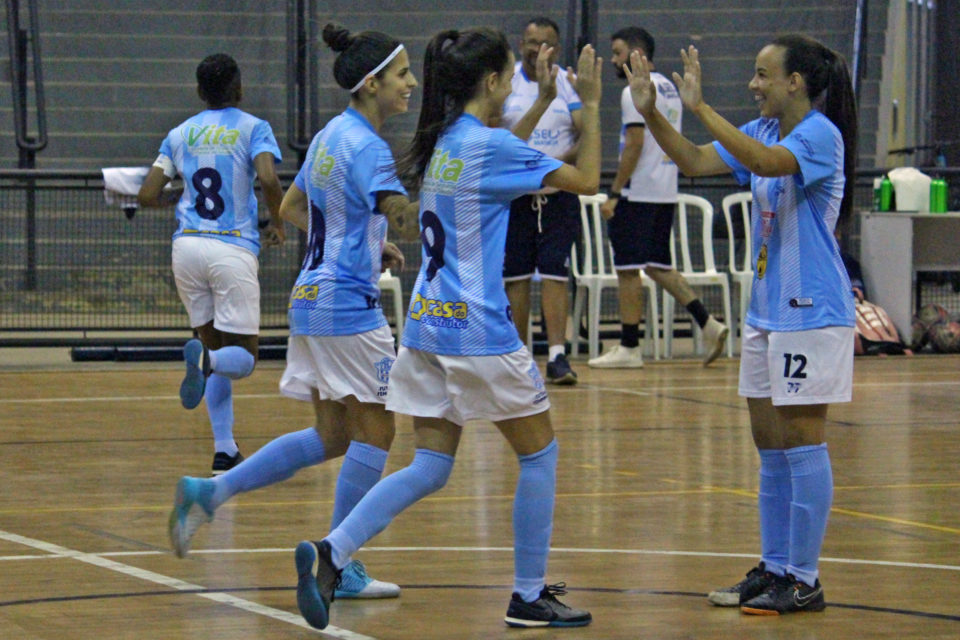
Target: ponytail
[(453, 65), (829, 86)]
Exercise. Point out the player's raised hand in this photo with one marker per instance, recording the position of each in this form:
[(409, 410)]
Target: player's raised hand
[(642, 89), (589, 72), (689, 85)]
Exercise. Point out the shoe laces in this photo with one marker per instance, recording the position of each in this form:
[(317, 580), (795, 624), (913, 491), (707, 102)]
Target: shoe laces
[(553, 590), (359, 569)]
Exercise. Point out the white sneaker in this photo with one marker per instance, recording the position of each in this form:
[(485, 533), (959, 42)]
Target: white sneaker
[(619, 357), (714, 338)]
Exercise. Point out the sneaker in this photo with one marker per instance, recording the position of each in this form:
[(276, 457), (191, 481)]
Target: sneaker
[(223, 462), (786, 595), (546, 611), (757, 581), (559, 371), (317, 581), (619, 357), (715, 338), (197, 359), (191, 509), (355, 583)]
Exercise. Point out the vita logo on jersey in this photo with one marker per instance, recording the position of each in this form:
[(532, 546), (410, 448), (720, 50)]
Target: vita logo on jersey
[(443, 173), (323, 164), (210, 138)]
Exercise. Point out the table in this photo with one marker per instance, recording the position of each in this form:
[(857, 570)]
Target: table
[(895, 245)]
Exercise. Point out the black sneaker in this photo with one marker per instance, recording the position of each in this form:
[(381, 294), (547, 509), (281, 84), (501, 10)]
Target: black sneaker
[(757, 581), (559, 371), (786, 595), (546, 611), (223, 462), (317, 581)]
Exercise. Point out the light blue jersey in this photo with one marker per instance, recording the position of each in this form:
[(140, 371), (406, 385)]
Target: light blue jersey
[(459, 306), (336, 293), (213, 151), (799, 279)]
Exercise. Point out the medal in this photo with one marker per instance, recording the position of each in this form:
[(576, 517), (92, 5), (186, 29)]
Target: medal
[(762, 261)]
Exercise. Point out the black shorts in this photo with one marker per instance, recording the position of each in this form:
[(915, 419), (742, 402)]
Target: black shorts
[(640, 234), (541, 240)]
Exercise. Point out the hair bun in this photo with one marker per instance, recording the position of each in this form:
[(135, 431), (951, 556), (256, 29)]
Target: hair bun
[(337, 37)]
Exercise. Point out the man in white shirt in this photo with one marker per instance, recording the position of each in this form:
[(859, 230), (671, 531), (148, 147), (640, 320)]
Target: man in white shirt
[(640, 212), (544, 111)]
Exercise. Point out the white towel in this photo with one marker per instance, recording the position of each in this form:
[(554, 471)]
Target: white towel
[(122, 184)]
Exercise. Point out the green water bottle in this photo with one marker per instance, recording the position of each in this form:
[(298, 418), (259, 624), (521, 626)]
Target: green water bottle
[(941, 191), (886, 193)]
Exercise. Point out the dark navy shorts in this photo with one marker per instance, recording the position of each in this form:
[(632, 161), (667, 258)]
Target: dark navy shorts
[(541, 240), (640, 234)]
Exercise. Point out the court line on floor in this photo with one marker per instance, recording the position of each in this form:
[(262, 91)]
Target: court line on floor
[(578, 388), (221, 597), (438, 549)]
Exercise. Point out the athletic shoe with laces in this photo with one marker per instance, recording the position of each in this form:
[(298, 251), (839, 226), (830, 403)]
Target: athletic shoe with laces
[(197, 359), (757, 581), (355, 583), (223, 462), (545, 611), (191, 509), (619, 357), (714, 337), (317, 581), (786, 595), (559, 371)]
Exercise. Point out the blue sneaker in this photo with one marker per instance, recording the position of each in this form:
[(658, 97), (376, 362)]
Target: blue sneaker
[(197, 359), (355, 583), (317, 580), (191, 509)]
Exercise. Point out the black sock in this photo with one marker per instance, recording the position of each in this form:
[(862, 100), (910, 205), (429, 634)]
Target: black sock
[(699, 312), (630, 335)]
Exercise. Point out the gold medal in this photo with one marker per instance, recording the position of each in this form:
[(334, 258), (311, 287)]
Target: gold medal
[(762, 261)]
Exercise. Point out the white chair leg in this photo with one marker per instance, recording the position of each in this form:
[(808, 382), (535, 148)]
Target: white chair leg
[(593, 310), (577, 317), (652, 327), (667, 325)]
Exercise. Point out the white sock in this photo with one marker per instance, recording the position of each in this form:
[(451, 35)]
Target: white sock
[(556, 350)]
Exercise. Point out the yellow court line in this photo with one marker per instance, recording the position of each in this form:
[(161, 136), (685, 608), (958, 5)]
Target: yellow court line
[(857, 514)]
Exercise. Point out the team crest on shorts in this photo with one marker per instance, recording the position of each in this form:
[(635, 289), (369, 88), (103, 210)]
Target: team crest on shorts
[(383, 369), (537, 379)]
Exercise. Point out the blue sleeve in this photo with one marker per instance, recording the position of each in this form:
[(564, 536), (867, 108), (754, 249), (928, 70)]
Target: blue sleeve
[(165, 147), (374, 170), (740, 172), (516, 168), (818, 147), (262, 140)]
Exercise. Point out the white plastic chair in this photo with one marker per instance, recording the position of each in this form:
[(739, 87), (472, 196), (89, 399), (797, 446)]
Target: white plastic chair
[(708, 276), (594, 273), (741, 270), (391, 283)]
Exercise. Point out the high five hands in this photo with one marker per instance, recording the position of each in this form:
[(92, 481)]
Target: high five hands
[(643, 91)]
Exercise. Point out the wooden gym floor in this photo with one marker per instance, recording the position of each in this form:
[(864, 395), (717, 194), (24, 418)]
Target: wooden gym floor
[(656, 506)]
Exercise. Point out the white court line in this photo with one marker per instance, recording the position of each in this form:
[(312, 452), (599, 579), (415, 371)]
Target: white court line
[(98, 560), (580, 387), (629, 552)]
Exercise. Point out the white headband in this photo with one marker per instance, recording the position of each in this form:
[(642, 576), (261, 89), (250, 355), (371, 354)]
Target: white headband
[(377, 69)]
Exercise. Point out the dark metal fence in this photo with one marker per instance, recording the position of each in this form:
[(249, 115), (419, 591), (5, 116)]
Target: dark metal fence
[(69, 261)]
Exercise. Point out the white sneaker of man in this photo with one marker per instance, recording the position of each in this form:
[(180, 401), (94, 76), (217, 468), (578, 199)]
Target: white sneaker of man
[(619, 357), (714, 338)]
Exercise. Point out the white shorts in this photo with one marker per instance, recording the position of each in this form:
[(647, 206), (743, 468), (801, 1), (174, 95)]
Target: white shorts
[(340, 366), (797, 367), (461, 388), (218, 281)]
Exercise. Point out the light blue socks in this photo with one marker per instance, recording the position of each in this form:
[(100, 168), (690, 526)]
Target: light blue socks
[(427, 473), (773, 501), (812, 480), (533, 520), (232, 362), (362, 467), (277, 460)]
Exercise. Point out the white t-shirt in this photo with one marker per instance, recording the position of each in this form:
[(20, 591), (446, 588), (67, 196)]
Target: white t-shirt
[(655, 177), (554, 134)]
